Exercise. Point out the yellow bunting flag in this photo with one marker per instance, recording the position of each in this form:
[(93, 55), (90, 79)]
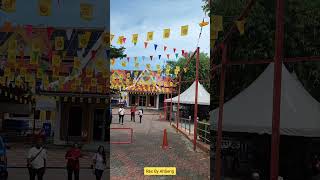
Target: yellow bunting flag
[(56, 60), (12, 55), (149, 36), (217, 22), (136, 65), (124, 64), (89, 72), (45, 7), (52, 115), (87, 36), (82, 41), (12, 45), (240, 26), (113, 61), (55, 72), (77, 81), (86, 11), (135, 38), (23, 72), (148, 66), (59, 43), (76, 63), (111, 38), (42, 115), (166, 33), (8, 5), (35, 56), (184, 30), (39, 74), (120, 40)]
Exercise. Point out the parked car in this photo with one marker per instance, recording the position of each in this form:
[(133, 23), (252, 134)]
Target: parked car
[(3, 160)]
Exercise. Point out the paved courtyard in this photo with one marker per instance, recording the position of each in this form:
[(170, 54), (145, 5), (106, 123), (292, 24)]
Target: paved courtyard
[(128, 160)]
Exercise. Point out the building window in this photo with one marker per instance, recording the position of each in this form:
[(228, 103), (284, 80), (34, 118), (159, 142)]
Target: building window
[(152, 101)]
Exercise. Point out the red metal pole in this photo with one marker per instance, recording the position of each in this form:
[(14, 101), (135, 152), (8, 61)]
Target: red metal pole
[(277, 91), (221, 104), (165, 108), (196, 102), (170, 115), (178, 111)]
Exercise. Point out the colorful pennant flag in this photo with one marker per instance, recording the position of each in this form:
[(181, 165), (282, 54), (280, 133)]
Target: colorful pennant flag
[(164, 48), (168, 56), (159, 56), (151, 57), (124, 40), (217, 22), (135, 38), (184, 30), (45, 7), (76, 63), (82, 41), (149, 36), (86, 11), (145, 44), (203, 23), (120, 40), (35, 56), (166, 33), (174, 50), (155, 47), (59, 43), (89, 72), (177, 55)]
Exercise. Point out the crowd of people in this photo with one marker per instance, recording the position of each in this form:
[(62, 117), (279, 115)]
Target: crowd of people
[(37, 161)]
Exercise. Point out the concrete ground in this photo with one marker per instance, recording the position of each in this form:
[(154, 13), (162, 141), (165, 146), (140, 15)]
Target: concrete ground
[(127, 160)]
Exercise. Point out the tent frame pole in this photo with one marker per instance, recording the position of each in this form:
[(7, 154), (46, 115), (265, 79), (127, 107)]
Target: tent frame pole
[(178, 110), (170, 116), (274, 165), (195, 117), (221, 104)]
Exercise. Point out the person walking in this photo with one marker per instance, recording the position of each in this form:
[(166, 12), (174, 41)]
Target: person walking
[(99, 162), (37, 160), (133, 113), (73, 165), (140, 114), (121, 115)]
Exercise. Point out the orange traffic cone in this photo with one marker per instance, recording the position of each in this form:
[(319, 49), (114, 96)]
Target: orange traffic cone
[(165, 140)]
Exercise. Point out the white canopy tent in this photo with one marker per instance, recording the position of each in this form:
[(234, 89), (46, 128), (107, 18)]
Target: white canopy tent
[(251, 110), (188, 96)]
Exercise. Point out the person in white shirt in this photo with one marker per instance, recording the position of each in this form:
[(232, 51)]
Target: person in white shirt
[(121, 115), (99, 162), (140, 114), (37, 160)]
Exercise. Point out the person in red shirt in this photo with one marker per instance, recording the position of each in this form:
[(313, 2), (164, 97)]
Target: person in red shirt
[(73, 165), (133, 113)]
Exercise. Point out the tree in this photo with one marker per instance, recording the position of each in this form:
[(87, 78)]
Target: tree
[(301, 39), (117, 52), (190, 75)]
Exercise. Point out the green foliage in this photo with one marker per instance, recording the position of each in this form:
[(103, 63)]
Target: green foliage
[(302, 34), (117, 52), (191, 73)]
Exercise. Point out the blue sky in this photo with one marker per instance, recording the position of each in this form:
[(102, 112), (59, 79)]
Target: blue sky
[(142, 16), (67, 15)]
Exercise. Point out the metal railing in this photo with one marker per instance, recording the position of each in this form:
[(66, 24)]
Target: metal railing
[(203, 131), (184, 122)]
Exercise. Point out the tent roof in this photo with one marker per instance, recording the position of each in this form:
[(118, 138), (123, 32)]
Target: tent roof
[(251, 110), (188, 96)]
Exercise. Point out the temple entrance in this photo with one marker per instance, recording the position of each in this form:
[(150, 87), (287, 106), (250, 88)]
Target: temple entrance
[(98, 125), (75, 121)]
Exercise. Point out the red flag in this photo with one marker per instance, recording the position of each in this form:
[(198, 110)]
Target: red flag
[(49, 31), (145, 44), (165, 48), (29, 30), (168, 56), (182, 52), (124, 40), (174, 50), (151, 57)]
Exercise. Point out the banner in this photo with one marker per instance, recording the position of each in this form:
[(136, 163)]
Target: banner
[(86, 11), (82, 41), (76, 63), (135, 38), (166, 33), (9, 5), (45, 7), (149, 36), (59, 43), (184, 30), (56, 60)]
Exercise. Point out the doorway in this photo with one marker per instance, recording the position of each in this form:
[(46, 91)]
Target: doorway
[(75, 121), (98, 125), (142, 101)]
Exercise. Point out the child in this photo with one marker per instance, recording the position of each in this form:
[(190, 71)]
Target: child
[(140, 114)]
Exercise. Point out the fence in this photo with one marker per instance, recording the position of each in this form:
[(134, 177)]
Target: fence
[(203, 131), (184, 122)]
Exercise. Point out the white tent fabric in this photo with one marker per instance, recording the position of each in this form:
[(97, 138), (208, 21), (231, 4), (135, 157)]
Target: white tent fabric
[(188, 96), (251, 110)]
